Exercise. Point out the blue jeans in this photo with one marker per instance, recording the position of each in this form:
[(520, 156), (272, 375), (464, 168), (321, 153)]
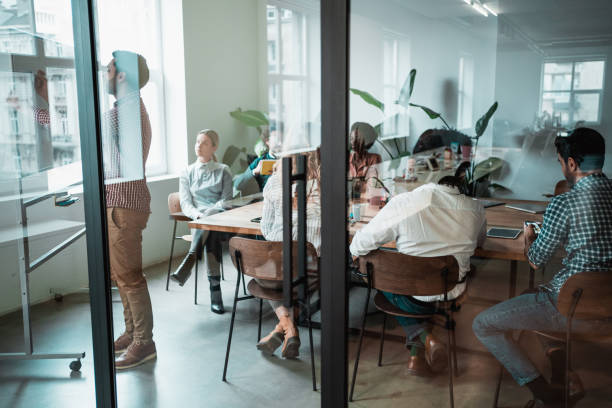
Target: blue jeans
[(530, 311), (412, 326)]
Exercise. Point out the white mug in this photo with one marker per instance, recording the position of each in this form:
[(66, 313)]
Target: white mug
[(356, 210)]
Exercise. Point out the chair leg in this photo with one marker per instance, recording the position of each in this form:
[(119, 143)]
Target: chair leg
[(450, 365), (244, 286), (363, 320), (229, 338), (568, 347), (259, 327), (454, 348), (382, 339), (498, 387), (195, 293), (171, 252), (312, 360)]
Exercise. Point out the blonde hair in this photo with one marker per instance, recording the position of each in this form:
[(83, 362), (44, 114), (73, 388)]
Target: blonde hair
[(213, 136)]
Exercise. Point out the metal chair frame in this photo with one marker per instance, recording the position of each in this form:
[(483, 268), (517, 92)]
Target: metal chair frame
[(446, 311)]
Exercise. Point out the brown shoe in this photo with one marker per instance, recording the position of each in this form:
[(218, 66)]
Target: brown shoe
[(291, 344), (122, 343), (272, 341), (135, 355), (418, 366), (435, 354)]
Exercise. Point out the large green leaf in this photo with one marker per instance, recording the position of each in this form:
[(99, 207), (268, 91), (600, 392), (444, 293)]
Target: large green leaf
[(251, 118), (483, 122), (368, 98), (486, 167), (406, 91), (431, 113)]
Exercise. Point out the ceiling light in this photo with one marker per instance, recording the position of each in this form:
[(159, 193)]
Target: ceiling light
[(479, 9), (468, 2), (489, 9)]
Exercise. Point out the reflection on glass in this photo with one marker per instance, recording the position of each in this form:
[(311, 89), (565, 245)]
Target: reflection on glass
[(16, 27)]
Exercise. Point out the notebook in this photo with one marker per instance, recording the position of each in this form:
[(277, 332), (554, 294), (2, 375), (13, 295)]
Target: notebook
[(530, 208)]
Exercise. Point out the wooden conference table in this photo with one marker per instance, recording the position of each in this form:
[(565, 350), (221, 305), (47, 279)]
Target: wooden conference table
[(238, 221)]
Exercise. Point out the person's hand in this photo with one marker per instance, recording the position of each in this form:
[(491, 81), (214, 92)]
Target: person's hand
[(257, 170), (41, 85), (530, 236)]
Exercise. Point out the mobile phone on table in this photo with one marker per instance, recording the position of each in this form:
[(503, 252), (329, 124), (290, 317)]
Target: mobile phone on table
[(257, 219), (537, 226)]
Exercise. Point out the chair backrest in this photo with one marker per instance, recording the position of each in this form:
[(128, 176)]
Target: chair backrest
[(410, 275), (595, 300), (561, 187), (264, 259), (174, 203)]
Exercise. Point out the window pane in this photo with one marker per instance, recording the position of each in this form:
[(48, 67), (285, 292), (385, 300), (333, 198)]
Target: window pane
[(557, 77), (586, 107), (557, 103), (589, 75), (292, 40), (16, 27), (273, 49), (63, 112)]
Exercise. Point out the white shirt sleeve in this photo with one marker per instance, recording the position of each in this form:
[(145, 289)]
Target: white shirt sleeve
[(272, 200), (379, 231), (186, 199)]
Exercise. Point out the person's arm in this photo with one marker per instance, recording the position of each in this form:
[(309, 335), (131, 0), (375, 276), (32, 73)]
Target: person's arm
[(255, 166), (226, 193), (554, 232), (186, 199), (270, 203), (380, 230)]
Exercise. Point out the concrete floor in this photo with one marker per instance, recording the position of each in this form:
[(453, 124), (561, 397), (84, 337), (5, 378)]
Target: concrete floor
[(191, 346)]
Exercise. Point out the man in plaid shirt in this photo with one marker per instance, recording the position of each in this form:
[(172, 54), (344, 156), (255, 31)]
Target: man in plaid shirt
[(126, 141), (581, 220)]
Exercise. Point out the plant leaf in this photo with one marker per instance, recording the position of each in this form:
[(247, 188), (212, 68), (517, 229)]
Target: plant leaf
[(406, 91), (486, 167), (252, 118), (431, 113), (483, 122), (368, 98)]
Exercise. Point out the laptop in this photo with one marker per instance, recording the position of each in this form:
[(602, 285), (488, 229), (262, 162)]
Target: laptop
[(530, 208)]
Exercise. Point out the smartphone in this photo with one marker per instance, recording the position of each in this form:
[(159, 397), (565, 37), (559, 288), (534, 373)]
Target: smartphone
[(257, 219), (267, 167), (537, 226)]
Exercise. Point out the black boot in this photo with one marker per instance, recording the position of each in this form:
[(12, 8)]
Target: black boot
[(183, 272), (216, 301)]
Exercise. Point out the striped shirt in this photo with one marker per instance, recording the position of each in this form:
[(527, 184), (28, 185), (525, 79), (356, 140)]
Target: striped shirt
[(272, 216), (581, 220), (130, 194)]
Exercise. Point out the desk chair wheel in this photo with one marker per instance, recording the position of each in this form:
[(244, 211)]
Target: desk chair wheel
[(75, 365)]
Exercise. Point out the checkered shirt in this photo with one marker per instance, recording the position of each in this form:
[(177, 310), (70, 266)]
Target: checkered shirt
[(580, 219), (133, 194)]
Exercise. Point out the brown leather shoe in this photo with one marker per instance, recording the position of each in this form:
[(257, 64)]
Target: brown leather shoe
[(272, 341), (122, 343), (418, 366), (291, 344), (435, 354), (135, 355)]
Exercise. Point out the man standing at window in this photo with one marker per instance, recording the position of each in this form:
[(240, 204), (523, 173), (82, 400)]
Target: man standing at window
[(127, 139), (580, 219)]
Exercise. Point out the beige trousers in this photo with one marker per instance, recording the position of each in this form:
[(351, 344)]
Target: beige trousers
[(125, 253)]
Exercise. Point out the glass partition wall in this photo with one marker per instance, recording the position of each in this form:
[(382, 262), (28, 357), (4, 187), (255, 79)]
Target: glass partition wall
[(452, 101)]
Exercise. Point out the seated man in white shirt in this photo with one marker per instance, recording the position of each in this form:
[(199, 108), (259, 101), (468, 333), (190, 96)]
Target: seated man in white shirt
[(432, 220)]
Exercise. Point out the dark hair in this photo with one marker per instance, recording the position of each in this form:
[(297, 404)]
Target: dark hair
[(134, 66), (451, 181), (583, 143)]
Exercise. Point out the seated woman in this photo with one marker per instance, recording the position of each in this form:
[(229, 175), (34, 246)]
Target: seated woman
[(285, 332), (256, 165), (362, 138), (204, 185)]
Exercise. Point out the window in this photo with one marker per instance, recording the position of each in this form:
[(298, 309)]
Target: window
[(293, 103), (572, 91), (465, 104)]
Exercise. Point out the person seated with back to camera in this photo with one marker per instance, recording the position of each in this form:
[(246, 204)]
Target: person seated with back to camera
[(285, 332), (581, 220), (432, 220), (203, 188)]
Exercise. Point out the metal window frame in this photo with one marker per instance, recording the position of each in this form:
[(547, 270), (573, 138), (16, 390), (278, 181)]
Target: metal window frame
[(94, 202), (335, 17)]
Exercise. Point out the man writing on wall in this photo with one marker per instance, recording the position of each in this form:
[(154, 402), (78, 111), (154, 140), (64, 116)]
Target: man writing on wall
[(580, 219), (126, 141)]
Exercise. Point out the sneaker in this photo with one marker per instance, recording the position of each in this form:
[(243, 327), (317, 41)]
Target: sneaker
[(136, 354), (122, 343)]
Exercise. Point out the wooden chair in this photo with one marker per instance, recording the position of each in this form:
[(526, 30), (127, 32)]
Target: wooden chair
[(263, 260), (584, 296), (176, 215), (561, 187), (394, 272)]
